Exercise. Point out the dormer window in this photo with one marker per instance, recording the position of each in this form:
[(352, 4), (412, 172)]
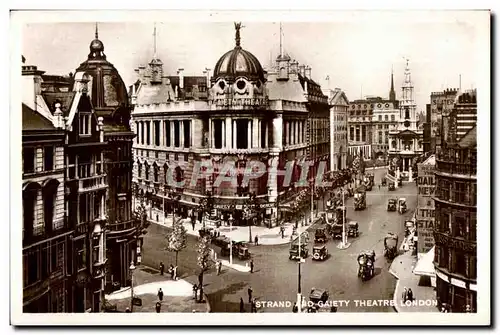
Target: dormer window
[(84, 125)]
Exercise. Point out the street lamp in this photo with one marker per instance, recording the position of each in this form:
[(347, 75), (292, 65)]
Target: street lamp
[(132, 268), (231, 219), (299, 279)]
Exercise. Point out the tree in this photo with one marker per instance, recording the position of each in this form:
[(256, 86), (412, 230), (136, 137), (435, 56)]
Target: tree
[(204, 261), (177, 239), (141, 217)]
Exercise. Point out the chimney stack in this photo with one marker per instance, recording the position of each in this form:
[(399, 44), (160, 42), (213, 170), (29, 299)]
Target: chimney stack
[(308, 72), (181, 78), (294, 67), (302, 70)]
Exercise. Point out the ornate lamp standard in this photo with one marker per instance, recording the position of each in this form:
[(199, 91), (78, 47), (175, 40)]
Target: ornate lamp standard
[(132, 268)]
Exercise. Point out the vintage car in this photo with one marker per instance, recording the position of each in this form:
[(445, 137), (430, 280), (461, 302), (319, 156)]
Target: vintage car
[(384, 181), (366, 261), (391, 245), (221, 241), (402, 205), (318, 295), (240, 250), (392, 187), (320, 252), (353, 229), (293, 253), (206, 232), (392, 205), (320, 235)]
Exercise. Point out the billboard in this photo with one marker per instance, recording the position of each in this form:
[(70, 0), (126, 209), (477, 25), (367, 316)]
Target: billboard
[(425, 206)]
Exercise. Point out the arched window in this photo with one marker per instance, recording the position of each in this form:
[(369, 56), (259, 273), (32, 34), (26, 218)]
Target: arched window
[(165, 174), (179, 174), (155, 172), (30, 193), (146, 171), (139, 169), (49, 200)]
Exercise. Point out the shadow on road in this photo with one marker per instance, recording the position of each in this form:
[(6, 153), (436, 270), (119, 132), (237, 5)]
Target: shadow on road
[(217, 303)]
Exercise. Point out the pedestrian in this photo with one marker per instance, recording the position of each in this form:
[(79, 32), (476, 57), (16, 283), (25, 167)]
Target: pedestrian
[(193, 221), (405, 294), (256, 240), (410, 295), (162, 268), (158, 307), (160, 294), (250, 291), (171, 271), (195, 291), (282, 229), (295, 309), (219, 267), (251, 266), (175, 273), (254, 306), (379, 187), (242, 306)]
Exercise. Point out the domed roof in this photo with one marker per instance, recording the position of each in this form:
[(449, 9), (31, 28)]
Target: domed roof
[(238, 62), (108, 89)]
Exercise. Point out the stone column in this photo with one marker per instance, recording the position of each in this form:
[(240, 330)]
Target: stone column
[(151, 132), (181, 133), (228, 131), (255, 133), (162, 139), (278, 131), (249, 133), (211, 132), (172, 134), (234, 131)]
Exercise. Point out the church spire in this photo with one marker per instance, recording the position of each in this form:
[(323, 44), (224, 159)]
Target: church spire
[(392, 93), (96, 31)]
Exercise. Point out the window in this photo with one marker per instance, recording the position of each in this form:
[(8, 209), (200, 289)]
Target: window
[(81, 259), (472, 228), (242, 132), (218, 140), (460, 226), (48, 158), (393, 118), (142, 132), (49, 201), (460, 192), (139, 170), (386, 137), (379, 137), (157, 133), (187, 133), (28, 160), (460, 263), (84, 125), (146, 170), (263, 129), (443, 256), (380, 117), (386, 118), (168, 134), (177, 137), (148, 133), (352, 134), (472, 267), (407, 113), (444, 223), (155, 172)]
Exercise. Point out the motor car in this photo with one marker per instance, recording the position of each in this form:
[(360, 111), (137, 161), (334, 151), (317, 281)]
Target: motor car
[(392, 187), (353, 229), (320, 235), (391, 205), (320, 252), (316, 295)]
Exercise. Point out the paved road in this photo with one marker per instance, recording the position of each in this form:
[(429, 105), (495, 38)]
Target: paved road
[(275, 277)]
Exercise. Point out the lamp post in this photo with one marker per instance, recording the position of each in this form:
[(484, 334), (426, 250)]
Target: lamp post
[(312, 201), (231, 219), (132, 268), (299, 279)]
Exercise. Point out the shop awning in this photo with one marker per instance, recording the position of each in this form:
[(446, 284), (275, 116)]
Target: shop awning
[(425, 265)]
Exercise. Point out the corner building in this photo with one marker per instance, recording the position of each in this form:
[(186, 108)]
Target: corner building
[(247, 115), (110, 101), (455, 231)]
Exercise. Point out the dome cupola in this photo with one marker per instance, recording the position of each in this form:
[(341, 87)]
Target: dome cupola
[(238, 63), (96, 47)]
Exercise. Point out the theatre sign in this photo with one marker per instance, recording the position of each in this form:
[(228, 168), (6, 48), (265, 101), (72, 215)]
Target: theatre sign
[(425, 205), (233, 102)]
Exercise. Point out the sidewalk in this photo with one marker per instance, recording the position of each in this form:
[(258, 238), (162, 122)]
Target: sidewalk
[(267, 236), (424, 296), (178, 294)]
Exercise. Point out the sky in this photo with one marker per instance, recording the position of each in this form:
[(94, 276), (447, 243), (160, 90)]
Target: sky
[(357, 52)]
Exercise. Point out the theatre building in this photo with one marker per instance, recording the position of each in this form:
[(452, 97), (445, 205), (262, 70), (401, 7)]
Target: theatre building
[(455, 231), (238, 115)]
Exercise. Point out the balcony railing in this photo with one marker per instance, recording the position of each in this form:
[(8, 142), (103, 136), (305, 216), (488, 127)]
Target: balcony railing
[(126, 225), (452, 167), (92, 183)]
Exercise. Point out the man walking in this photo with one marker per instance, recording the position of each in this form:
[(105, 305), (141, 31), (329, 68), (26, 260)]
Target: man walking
[(158, 307), (242, 306), (160, 294), (282, 230), (195, 291), (251, 266), (250, 291), (162, 268), (219, 267), (256, 240), (193, 220)]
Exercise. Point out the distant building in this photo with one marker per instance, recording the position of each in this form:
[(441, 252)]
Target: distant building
[(338, 128), (369, 122), (465, 108), (441, 104), (406, 140)]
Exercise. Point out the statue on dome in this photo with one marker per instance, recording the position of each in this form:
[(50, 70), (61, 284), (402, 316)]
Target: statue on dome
[(237, 26)]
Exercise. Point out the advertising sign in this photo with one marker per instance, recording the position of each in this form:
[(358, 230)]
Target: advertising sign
[(425, 207)]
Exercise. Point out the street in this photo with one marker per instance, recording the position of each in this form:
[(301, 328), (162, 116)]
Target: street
[(275, 276)]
